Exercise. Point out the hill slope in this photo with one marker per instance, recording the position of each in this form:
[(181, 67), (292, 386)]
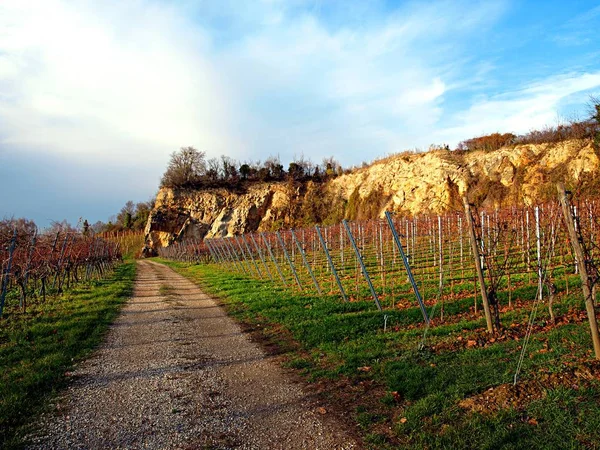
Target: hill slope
[(412, 183)]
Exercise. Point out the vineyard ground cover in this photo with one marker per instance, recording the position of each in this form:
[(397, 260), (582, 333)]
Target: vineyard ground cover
[(38, 347), (402, 397)]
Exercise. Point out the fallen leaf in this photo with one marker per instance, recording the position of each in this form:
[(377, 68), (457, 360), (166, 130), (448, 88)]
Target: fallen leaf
[(321, 410), (471, 343), (364, 369), (403, 420), (532, 421)]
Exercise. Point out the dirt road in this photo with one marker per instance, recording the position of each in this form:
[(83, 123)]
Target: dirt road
[(176, 372)]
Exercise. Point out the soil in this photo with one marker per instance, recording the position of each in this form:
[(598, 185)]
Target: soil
[(520, 395)]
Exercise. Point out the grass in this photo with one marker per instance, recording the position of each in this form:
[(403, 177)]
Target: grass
[(402, 397), (37, 348)]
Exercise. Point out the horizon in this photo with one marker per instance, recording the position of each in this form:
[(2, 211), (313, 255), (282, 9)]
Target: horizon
[(94, 99)]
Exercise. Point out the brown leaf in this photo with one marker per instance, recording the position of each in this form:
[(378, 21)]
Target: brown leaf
[(321, 410), (364, 369), (471, 343), (403, 420)]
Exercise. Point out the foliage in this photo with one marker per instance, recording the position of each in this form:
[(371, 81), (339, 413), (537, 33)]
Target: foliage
[(353, 205), (245, 171), (365, 208), (274, 168), (318, 206), (132, 217), (188, 169), (332, 167), (295, 171)]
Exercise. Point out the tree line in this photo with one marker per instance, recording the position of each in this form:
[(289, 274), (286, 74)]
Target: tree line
[(189, 168), (131, 217)]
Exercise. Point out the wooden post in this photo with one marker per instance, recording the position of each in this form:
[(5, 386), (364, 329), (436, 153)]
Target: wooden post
[(586, 283), (441, 257), (6, 274), (476, 257), (540, 271)]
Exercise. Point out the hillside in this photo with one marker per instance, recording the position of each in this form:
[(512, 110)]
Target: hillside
[(411, 183)]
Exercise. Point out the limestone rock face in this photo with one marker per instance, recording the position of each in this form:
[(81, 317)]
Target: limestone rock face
[(195, 214), (411, 183)]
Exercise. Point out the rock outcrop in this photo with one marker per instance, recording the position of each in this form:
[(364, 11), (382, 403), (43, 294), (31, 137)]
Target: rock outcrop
[(411, 183)]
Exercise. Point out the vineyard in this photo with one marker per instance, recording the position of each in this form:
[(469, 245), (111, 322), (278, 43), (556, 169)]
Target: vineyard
[(36, 265), (439, 269), (464, 330)]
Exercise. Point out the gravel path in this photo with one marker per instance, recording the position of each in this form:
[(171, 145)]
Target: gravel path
[(176, 372)]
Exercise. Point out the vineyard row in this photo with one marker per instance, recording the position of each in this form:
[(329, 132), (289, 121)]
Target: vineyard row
[(426, 261), (40, 264)]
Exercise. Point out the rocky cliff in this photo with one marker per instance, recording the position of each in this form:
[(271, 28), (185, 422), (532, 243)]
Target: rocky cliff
[(411, 183)]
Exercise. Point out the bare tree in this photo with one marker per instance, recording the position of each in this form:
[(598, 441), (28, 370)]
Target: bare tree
[(594, 108), (60, 227), (229, 168), (214, 169), (185, 168), (274, 167)]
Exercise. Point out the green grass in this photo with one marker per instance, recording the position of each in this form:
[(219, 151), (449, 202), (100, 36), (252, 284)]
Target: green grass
[(38, 347), (413, 399)]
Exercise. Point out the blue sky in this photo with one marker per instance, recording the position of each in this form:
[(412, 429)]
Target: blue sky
[(94, 96)]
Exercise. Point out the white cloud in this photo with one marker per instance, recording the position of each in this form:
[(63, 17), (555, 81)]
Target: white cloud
[(345, 90), (533, 107), (140, 78), (97, 80)]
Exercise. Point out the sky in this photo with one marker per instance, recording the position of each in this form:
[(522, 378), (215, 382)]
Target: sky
[(95, 96)]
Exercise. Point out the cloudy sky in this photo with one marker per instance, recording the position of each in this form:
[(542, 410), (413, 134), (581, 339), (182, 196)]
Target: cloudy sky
[(94, 96)]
